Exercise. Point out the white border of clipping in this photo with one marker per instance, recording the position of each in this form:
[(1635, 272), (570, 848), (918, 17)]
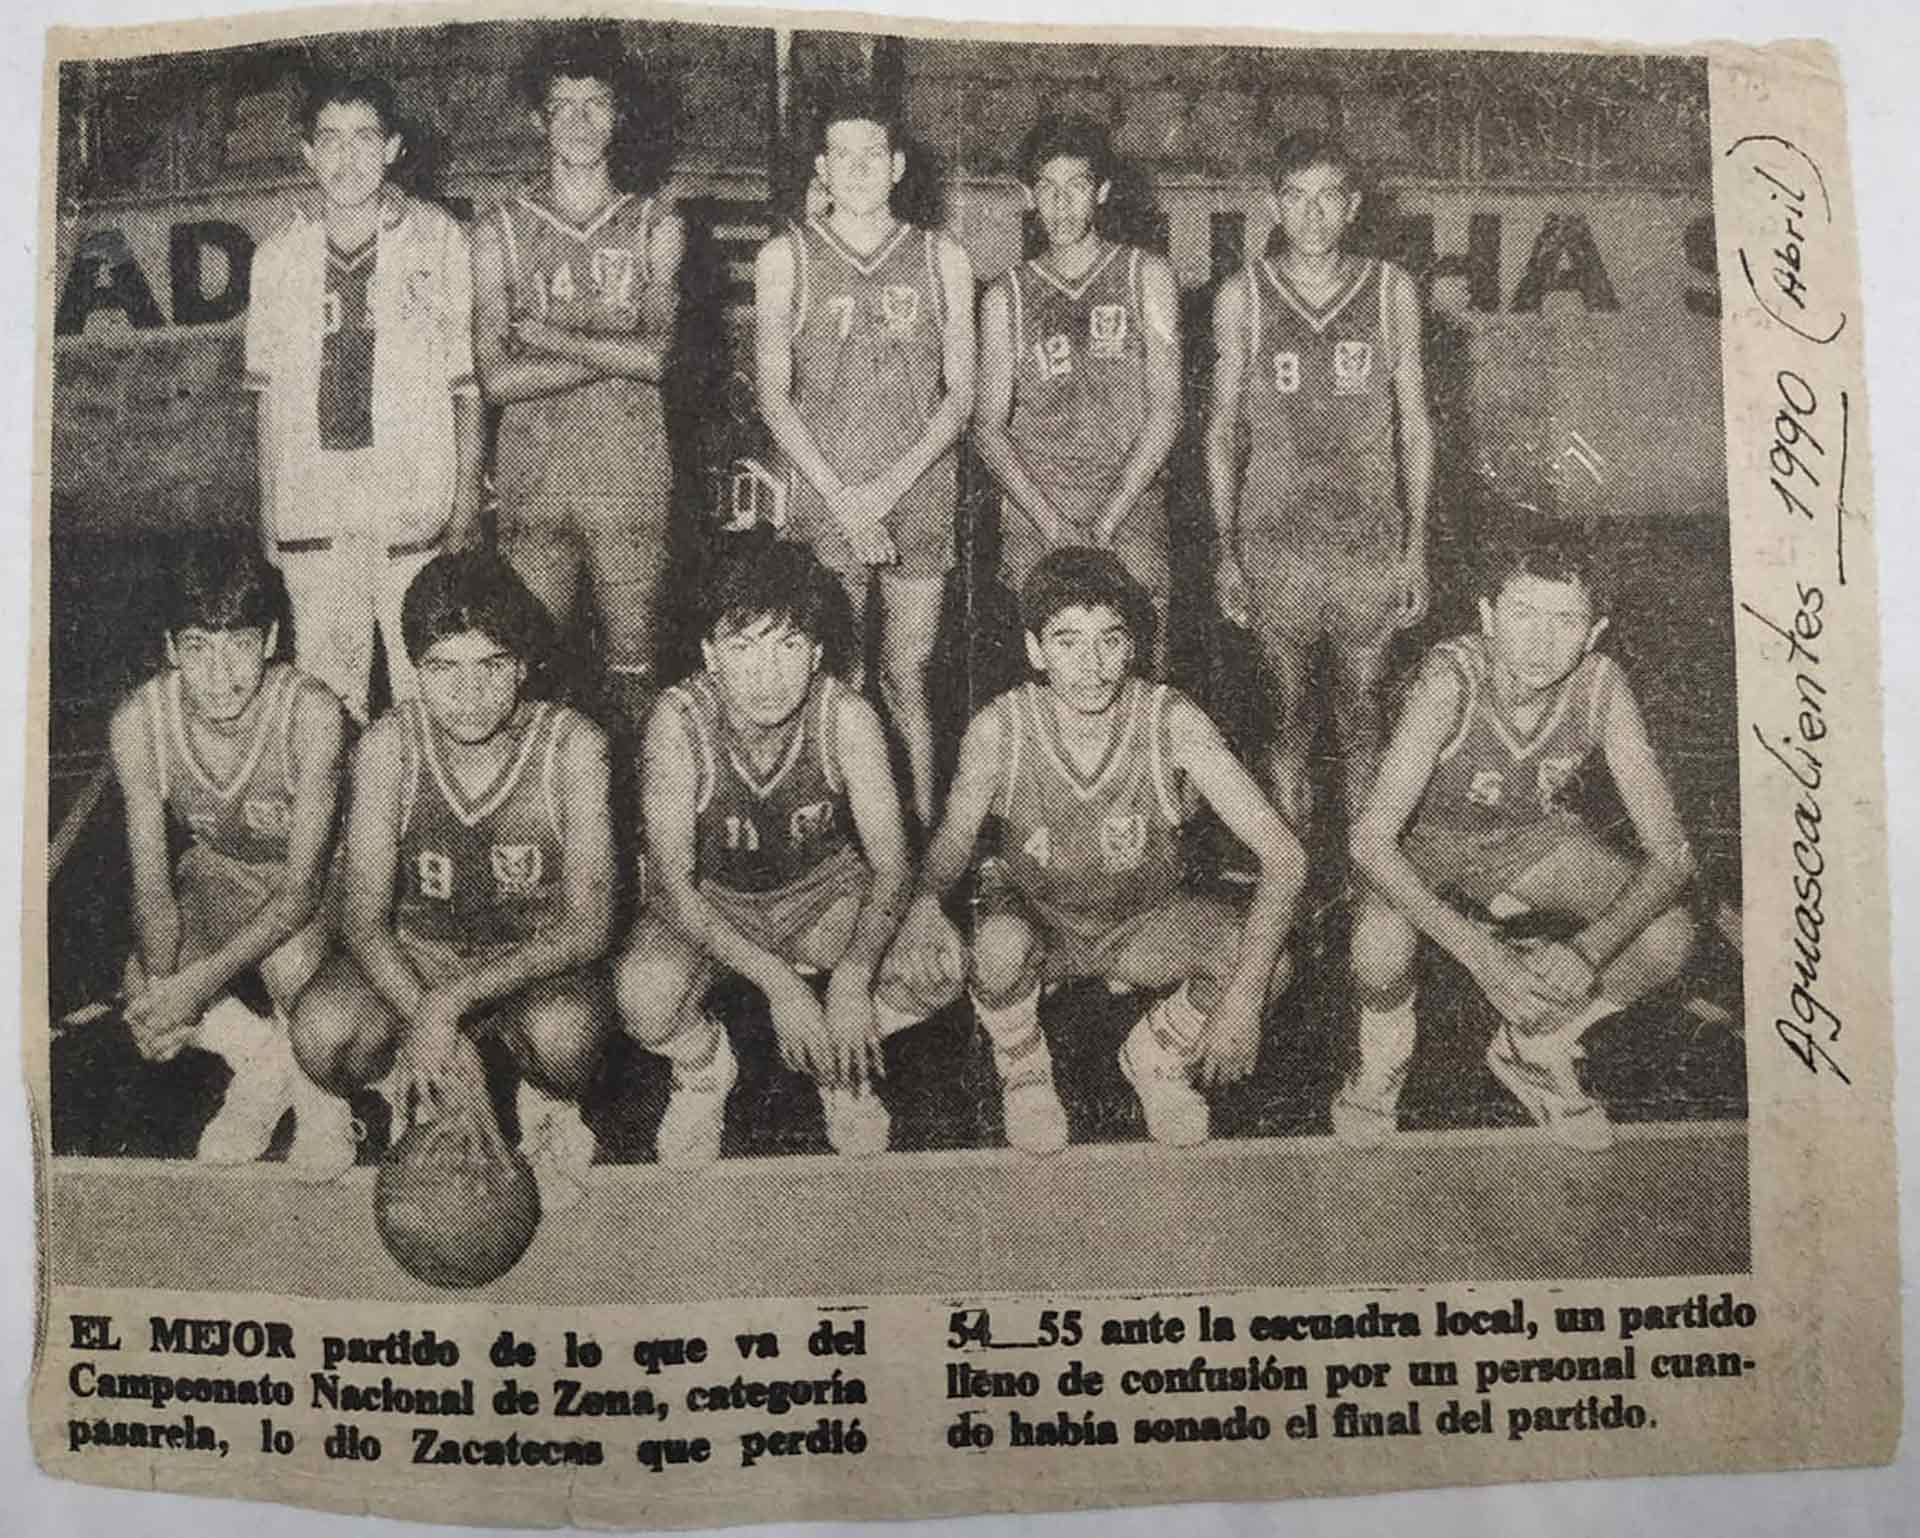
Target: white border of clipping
[(1878, 42)]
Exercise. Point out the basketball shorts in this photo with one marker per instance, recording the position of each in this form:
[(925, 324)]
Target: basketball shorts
[(218, 896), (1480, 866), (922, 524), (437, 961), (777, 920), (1184, 927), (1299, 595)]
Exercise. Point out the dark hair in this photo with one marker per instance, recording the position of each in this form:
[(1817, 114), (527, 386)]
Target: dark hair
[(857, 104), (641, 152), (1551, 552), (1294, 152), (462, 591), (1081, 577), (335, 88), (223, 584), (1070, 133), (760, 578), (583, 51)]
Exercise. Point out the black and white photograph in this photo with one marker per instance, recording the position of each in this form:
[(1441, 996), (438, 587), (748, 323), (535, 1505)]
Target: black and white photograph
[(691, 662)]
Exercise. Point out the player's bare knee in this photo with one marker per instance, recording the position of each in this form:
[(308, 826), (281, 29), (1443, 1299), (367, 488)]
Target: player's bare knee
[(557, 1043), (650, 990), (1006, 961), (1382, 952), (1665, 946), (339, 1042)]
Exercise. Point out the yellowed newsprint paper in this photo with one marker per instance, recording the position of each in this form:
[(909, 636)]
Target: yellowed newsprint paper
[(811, 767)]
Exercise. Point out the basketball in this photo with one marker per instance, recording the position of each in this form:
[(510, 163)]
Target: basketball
[(455, 1205)]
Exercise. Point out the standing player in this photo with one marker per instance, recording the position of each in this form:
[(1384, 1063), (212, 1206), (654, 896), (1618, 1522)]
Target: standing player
[(1469, 805), (576, 288), (864, 348), (243, 756), (1317, 361), (359, 346), (479, 880), (774, 827), (1088, 772), (1080, 398)]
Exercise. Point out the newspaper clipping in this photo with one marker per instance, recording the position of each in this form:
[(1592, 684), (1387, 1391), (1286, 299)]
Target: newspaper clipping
[(800, 767)]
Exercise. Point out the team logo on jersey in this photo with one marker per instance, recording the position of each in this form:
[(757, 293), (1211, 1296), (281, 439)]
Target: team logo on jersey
[(900, 305), (1123, 841), (1489, 787), (517, 868), (270, 816), (1107, 330), (1552, 777), (810, 821), (1352, 367), (616, 273)]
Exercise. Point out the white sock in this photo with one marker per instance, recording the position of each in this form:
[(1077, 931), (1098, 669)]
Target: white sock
[(1176, 1024), (230, 1030), (1386, 1043), (1019, 1048)]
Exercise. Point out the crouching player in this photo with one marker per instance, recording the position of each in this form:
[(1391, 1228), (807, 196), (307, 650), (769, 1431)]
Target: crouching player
[(1494, 733), (479, 880), (242, 755), (1088, 772), (775, 841)]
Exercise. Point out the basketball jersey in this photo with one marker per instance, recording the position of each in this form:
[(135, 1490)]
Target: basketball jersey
[(598, 438), (1091, 849), (759, 833), (346, 349), (868, 346), (1318, 409), (248, 815), (1492, 777), (1080, 382), (481, 869)]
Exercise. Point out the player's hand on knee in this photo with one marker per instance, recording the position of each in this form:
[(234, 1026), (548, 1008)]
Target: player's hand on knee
[(1230, 587), (928, 952), (427, 1055), (800, 1026), (853, 1027), (1568, 978), (164, 1014), (1232, 1043)]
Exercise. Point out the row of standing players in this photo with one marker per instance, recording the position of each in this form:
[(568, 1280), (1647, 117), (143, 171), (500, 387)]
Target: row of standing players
[(865, 347)]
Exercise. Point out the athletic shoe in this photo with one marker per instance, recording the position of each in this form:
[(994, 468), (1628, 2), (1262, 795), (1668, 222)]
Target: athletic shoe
[(858, 1125), (258, 1094), (324, 1145), (1177, 1113), (559, 1145), (1545, 1083), (690, 1127), (1363, 1120), (1036, 1120)]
